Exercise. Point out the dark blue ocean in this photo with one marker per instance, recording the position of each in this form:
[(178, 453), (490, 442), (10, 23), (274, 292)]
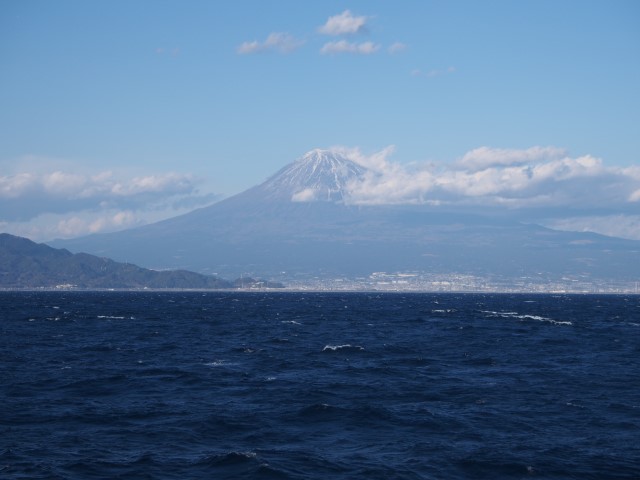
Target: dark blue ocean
[(318, 385)]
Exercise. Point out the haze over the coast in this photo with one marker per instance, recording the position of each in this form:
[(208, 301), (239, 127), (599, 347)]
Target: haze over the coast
[(120, 114)]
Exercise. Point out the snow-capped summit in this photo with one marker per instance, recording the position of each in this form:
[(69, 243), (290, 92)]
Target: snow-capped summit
[(319, 175)]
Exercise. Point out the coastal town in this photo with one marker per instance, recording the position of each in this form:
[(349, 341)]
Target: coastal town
[(432, 282)]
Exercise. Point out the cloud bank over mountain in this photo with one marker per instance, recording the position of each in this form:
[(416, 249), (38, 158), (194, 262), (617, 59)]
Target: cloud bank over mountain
[(303, 220), (531, 178), (540, 184)]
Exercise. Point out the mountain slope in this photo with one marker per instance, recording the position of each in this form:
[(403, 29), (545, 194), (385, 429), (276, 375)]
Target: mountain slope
[(297, 222), (25, 264), (318, 176)]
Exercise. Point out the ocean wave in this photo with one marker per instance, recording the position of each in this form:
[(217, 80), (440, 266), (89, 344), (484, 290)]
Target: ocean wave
[(347, 347), (520, 316), (220, 363), (234, 458), (221, 394)]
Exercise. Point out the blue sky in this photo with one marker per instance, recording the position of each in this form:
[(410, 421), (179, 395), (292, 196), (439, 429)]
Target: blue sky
[(113, 114)]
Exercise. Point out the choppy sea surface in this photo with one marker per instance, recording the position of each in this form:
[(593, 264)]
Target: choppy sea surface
[(318, 385)]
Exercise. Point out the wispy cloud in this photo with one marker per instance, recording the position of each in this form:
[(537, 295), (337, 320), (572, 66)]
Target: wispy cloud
[(66, 202), (173, 52), (343, 46), (344, 23), (103, 186), (396, 47), (433, 72), (78, 225), (280, 42), (49, 226), (485, 157)]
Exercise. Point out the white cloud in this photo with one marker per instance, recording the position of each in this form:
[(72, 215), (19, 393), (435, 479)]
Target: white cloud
[(485, 157), (396, 47), (377, 161), (278, 41), (50, 226), (169, 183), (344, 23), (82, 225), (306, 195), (531, 178), (342, 46), (386, 182), (118, 221), (73, 201), (60, 185), (538, 185), (249, 47), (13, 186), (433, 72), (102, 218)]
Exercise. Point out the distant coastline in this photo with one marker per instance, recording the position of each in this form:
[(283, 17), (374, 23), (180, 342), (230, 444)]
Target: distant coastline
[(610, 290)]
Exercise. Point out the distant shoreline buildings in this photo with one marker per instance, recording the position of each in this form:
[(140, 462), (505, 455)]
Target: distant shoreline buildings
[(461, 283)]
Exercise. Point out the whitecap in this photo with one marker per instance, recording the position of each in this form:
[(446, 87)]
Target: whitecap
[(526, 317), (543, 319), (335, 348), (220, 363), (491, 312), (217, 363), (243, 454)]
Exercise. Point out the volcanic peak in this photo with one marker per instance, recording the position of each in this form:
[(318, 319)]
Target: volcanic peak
[(319, 175)]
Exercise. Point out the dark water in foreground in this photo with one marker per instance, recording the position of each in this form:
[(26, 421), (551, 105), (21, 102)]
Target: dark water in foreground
[(317, 386)]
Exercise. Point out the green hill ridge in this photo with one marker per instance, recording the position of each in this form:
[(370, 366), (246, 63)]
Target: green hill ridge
[(26, 264)]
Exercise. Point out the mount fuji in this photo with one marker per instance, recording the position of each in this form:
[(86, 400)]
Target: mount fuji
[(300, 221), (320, 175)]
